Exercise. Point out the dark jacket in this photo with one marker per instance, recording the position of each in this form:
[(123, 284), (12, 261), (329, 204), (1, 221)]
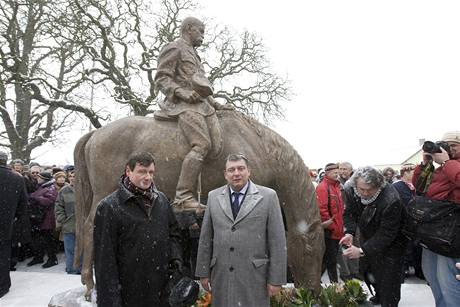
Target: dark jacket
[(379, 223), (45, 196), (404, 191), (64, 209), (133, 249), (31, 184), (335, 208), (13, 202)]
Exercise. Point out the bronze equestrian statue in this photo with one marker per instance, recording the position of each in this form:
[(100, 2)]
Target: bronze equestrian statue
[(191, 141), (100, 156)]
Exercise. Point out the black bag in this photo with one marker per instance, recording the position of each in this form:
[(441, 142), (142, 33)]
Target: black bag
[(435, 223)]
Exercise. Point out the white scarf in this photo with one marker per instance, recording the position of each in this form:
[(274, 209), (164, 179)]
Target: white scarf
[(367, 201)]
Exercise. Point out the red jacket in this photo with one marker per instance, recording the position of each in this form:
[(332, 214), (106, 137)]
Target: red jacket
[(336, 206), (445, 183)]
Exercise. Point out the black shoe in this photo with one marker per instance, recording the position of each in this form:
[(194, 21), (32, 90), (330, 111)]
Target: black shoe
[(35, 261), (12, 268), (3, 292), (50, 263)]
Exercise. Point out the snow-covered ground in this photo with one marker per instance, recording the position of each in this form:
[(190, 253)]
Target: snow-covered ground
[(34, 287)]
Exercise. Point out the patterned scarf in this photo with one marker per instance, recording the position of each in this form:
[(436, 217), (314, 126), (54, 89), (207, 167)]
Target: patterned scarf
[(424, 179), (146, 196), (367, 201)]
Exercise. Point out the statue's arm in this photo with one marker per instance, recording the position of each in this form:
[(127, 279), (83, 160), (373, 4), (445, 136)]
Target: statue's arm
[(166, 70)]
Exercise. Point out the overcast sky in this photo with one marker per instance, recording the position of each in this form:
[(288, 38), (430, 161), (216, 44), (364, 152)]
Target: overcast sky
[(370, 78)]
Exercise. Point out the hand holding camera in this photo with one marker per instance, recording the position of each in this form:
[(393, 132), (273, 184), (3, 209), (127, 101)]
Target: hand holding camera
[(439, 152)]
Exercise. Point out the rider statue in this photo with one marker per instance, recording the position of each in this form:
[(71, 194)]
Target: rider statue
[(181, 78)]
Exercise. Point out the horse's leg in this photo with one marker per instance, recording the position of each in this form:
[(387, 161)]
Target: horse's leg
[(87, 267)]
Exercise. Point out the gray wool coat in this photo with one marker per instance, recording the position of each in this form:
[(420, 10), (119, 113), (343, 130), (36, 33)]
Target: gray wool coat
[(241, 256)]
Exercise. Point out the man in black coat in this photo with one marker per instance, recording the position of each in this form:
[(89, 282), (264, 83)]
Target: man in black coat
[(13, 202), (374, 206), (136, 240)]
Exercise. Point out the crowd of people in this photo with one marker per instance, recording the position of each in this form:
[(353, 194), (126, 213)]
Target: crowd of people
[(42, 219), (362, 210), (363, 214)]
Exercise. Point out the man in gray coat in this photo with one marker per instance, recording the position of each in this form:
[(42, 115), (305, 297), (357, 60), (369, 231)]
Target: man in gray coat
[(242, 250)]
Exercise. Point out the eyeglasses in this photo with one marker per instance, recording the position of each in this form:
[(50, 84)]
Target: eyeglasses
[(35, 173)]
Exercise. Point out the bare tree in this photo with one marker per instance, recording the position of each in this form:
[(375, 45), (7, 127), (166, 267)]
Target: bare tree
[(129, 35), (38, 73), (52, 52)]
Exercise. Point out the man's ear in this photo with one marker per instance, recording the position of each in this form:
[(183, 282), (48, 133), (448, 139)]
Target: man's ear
[(127, 170)]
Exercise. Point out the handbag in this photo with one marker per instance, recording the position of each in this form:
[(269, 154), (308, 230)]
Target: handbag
[(435, 223)]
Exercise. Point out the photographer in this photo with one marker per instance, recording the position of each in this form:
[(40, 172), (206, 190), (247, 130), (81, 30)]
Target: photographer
[(442, 183)]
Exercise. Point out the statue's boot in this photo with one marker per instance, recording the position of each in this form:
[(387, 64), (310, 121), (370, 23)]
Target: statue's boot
[(185, 199)]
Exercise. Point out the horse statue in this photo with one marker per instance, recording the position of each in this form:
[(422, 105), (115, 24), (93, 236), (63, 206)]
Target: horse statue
[(100, 158)]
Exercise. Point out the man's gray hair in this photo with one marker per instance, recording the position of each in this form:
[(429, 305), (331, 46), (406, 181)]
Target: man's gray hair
[(188, 22), (370, 176), (347, 164)]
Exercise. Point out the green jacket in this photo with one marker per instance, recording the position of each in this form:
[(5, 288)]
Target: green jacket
[(64, 209)]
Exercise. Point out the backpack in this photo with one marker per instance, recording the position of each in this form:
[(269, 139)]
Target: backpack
[(435, 223)]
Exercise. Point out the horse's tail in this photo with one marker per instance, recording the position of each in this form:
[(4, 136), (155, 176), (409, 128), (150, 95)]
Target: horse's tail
[(83, 194)]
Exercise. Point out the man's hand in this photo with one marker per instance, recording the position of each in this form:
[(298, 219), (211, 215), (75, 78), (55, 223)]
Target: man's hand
[(205, 283), (326, 224), (427, 158), (440, 157), (187, 95), (352, 252), (273, 290), (346, 240), (195, 226)]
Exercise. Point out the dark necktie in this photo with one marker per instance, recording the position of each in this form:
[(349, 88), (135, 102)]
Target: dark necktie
[(236, 203)]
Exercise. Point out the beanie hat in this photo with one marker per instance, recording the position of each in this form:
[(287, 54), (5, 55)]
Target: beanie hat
[(453, 136), (3, 156), (59, 174), (33, 164), (45, 176), (69, 168), (331, 166)]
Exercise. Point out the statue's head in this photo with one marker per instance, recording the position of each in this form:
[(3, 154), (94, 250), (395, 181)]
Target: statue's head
[(237, 171), (192, 30)]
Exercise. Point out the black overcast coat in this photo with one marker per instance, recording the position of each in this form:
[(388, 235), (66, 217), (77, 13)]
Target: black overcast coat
[(132, 250), (382, 242), (13, 202)]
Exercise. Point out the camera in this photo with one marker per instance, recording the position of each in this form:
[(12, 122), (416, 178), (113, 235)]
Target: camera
[(435, 147)]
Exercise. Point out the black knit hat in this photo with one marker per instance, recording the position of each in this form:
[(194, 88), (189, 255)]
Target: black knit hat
[(331, 166), (45, 176)]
